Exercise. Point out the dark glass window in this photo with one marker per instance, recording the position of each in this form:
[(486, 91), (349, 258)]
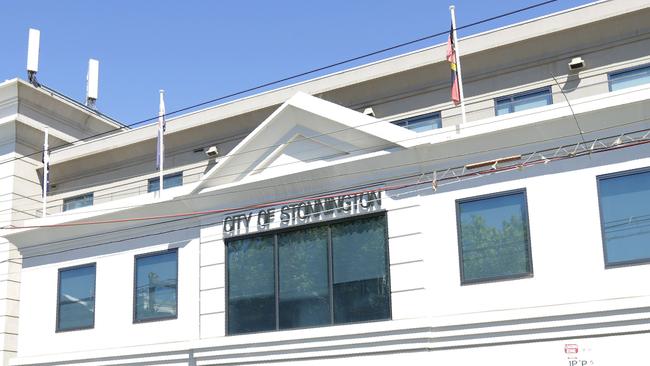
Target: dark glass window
[(304, 289), (76, 298), (169, 181), (326, 274), (629, 78), (421, 123), (361, 291), (78, 201), (523, 101), (494, 239), (251, 285), (625, 214), (156, 286)]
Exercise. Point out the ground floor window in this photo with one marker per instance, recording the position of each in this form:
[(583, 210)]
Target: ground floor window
[(317, 275), (624, 214), (156, 286), (76, 298), (494, 242)]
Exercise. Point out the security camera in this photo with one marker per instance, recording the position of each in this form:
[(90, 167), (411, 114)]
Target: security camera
[(212, 152), (369, 112), (576, 63)]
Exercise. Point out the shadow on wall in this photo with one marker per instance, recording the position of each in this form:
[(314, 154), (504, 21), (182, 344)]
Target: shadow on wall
[(108, 244)]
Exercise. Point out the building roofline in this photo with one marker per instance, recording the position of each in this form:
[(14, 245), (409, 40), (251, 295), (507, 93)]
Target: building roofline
[(472, 44)]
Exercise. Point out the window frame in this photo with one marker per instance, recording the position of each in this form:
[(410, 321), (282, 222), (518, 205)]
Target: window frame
[(58, 296), (511, 98), (276, 270), (623, 71), (157, 179), (406, 120), (80, 196), (623, 173), (135, 285), (525, 215)]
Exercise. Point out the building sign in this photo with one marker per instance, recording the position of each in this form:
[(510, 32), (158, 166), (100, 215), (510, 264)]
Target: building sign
[(302, 212)]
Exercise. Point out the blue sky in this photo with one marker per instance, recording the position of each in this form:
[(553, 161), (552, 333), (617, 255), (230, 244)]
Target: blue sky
[(200, 50)]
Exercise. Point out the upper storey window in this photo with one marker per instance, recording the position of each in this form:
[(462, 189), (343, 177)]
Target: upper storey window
[(522, 101), (78, 201), (624, 214), (629, 78), (421, 123), (169, 181)]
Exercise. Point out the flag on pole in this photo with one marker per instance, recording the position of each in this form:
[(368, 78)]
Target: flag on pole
[(161, 131), (451, 58)]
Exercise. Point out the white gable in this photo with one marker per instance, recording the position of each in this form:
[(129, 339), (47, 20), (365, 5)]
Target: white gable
[(304, 133)]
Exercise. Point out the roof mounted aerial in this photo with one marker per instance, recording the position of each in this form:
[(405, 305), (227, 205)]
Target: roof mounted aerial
[(32, 55), (92, 83)]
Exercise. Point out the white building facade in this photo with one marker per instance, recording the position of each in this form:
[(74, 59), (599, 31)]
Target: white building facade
[(324, 234)]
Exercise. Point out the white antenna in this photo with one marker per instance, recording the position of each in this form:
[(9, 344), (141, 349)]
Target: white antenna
[(92, 83), (32, 55)]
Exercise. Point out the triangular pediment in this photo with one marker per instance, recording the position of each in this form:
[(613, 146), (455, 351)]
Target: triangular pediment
[(304, 133), (300, 150)]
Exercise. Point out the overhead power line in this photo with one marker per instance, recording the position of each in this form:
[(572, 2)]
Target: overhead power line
[(438, 177), (282, 80)]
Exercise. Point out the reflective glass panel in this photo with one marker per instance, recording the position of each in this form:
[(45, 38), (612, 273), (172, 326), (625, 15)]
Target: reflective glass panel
[(251, 285), (494, 237), (630, 78), (361, 290), (304, 288), (156, 286), (421, 123), (625, 213), (520, 102), (169, 181), (76, 299), (78, 201)]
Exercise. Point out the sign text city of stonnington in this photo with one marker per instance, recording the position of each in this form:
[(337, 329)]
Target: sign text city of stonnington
[(303, 212)]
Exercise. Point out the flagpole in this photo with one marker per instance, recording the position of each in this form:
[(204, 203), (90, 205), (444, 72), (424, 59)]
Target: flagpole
[(46, 170), (457, 53), (161, 145)]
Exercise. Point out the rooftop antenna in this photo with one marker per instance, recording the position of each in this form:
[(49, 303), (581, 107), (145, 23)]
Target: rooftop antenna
[(92, 83), (32, 56)]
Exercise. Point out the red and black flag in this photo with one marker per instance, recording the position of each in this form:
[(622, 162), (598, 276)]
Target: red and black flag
[(451, 58)]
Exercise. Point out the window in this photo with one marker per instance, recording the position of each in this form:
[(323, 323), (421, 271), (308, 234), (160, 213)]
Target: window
[(78, 201), (169, 181), (520, 102), (421, 123), (156, 285), (629, 78), (493, 236), (76, 298), (624, 216), (315, 275)]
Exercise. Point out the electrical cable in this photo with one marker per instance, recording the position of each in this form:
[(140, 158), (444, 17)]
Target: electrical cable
[(232, 139), (362, 172), (281, 165), (278, 81), (397, 187)]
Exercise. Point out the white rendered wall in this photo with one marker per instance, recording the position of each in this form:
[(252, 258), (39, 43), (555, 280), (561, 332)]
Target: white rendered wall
[(114, 328)]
